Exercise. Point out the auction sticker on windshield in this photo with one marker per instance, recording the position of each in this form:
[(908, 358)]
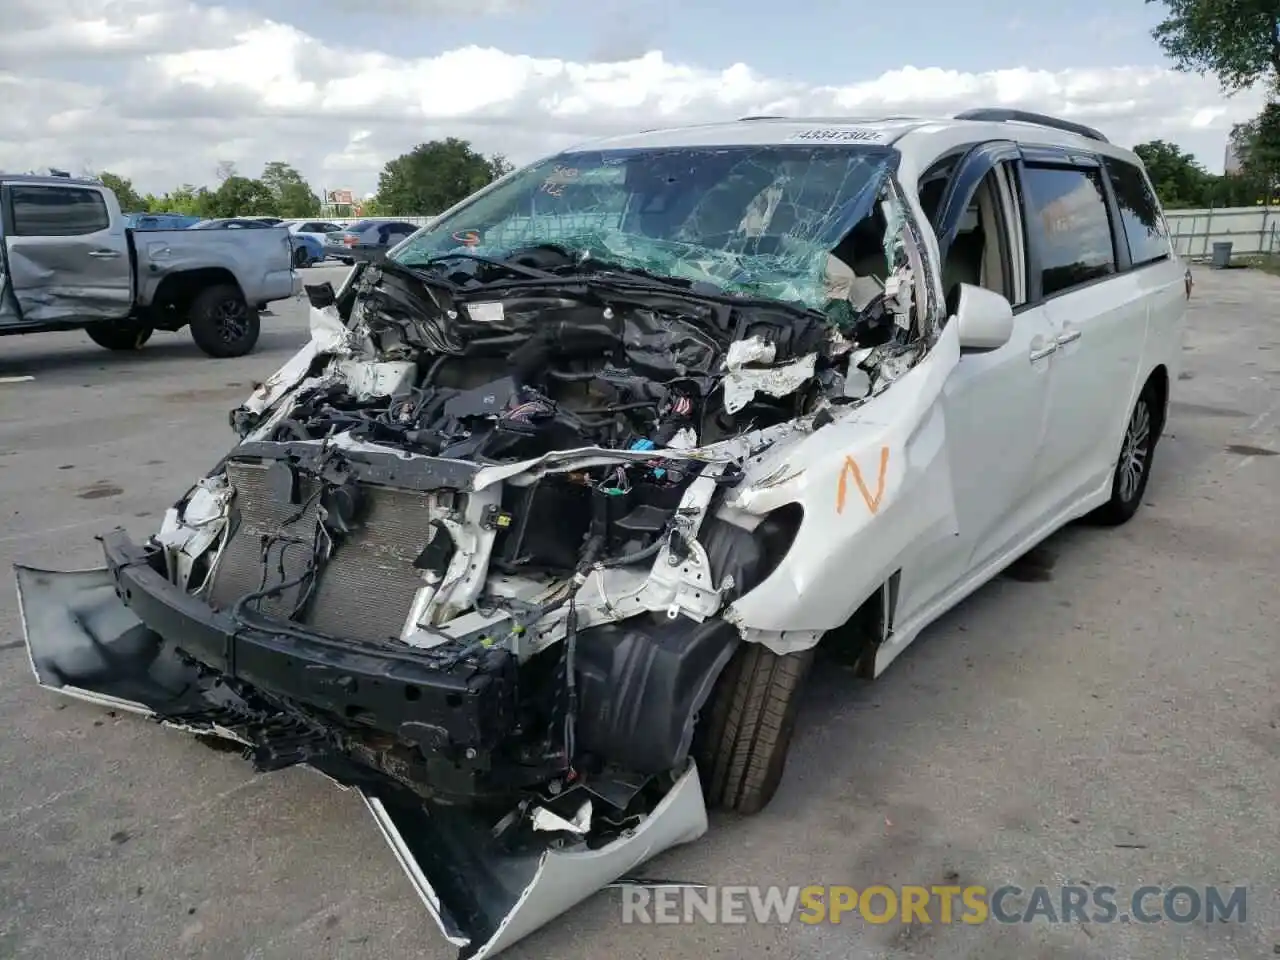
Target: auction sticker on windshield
[(838, 135)]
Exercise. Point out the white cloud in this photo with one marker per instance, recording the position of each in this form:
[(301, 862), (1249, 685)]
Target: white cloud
[(205, 84), (36, 31)]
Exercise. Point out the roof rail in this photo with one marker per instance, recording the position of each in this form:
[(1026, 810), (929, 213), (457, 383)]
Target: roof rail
[(1001, 115)]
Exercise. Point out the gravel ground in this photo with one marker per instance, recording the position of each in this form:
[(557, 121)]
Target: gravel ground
[(1106, 714)]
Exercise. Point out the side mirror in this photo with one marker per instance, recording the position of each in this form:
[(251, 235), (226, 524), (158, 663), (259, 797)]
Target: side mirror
[(985, 319)]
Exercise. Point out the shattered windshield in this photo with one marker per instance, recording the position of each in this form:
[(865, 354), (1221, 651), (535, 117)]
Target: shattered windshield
[(755, 220)]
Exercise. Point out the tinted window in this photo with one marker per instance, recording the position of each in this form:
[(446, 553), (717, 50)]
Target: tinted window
[(361, 225), (1067, 209), (1144, 225), (40, 211)]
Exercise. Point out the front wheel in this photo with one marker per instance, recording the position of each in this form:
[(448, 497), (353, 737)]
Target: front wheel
[(742, 740), (118, 336), (222, 324), (1133, 469)]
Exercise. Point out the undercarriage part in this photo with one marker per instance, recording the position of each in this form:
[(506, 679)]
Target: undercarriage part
[(642, 684)]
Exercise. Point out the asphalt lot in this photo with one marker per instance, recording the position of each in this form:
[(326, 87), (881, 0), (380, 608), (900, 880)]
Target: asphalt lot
[(1106, 714)]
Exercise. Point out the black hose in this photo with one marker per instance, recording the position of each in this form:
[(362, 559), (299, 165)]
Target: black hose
[(638, 557)]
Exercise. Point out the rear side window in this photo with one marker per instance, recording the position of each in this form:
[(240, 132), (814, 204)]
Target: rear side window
[(1067, 208), (44, 211), (1144, 225)]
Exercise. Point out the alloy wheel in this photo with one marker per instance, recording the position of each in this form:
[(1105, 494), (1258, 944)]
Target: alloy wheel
[(1135, 451), (232, 320)]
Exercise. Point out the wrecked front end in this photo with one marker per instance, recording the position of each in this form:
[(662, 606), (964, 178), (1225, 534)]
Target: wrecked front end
[(473, 557)]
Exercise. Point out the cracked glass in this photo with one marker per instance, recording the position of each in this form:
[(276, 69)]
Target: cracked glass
[(752, 220)]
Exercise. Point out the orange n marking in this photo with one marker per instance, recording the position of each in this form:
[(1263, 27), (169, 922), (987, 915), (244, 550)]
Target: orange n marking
[(851, 467)]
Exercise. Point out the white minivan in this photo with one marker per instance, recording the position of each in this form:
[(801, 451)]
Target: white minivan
[(534, 542)]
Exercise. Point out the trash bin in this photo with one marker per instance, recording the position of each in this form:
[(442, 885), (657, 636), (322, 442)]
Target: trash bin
[(1221, 256)]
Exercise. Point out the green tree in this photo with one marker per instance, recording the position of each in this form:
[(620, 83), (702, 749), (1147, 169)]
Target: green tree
[(293, 195), (122, 187), (1179, 179), (239, 196), (1257, 143), (434, 176), (1238, 41), (186, 199)]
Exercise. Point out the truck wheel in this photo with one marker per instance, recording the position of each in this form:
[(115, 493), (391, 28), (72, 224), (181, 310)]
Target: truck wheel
[(741, 743), (301, 258), (118, 336), (347, 261), (222, 324)]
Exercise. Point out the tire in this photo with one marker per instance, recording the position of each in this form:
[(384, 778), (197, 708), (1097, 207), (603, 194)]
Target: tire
[(742, 740), (118, 336), (347, 261), (301, 258), (222, 324), (1133, 467)]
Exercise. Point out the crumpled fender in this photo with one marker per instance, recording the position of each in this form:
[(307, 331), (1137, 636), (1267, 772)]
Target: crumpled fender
[(328, 336), (84, 642), (875, 487)]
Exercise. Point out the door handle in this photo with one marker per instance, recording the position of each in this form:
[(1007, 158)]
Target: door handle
[(104, 254), (1043, 352), (1069, 337)]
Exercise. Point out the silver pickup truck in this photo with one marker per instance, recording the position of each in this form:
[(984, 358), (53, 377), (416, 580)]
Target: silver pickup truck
[(67, 261)]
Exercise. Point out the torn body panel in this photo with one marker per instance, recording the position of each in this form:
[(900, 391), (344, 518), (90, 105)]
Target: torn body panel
[(485, 888), (876, 490)]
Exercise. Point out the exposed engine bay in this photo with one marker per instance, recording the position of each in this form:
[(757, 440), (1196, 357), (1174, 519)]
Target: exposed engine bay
[(366, 511), (471, 555)]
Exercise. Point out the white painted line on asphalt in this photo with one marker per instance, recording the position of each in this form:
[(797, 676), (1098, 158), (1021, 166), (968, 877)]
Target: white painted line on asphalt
[(1263, 417), (16, 379)]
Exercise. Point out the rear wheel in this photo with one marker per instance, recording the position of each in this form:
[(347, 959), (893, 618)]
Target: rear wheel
[(301, 258), (118, 336), (222, 324), (742, 740), (348, 261), (1133, 469)]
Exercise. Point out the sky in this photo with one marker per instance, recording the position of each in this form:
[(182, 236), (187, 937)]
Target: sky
[(161, 91)]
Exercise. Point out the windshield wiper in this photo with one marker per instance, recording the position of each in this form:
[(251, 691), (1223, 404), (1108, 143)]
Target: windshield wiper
[(519, 271)]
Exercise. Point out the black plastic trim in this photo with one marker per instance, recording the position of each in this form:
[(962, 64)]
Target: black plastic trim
[(399, 690), (1004, 115)]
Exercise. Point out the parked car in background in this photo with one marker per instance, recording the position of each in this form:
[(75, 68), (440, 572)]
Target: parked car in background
[(69, 261), (307, 249), (230, 223), (315, 228), (367, 239), (159, 221)]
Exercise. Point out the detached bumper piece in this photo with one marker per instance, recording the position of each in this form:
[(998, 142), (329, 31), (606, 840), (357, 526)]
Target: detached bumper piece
[(124, 636)]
